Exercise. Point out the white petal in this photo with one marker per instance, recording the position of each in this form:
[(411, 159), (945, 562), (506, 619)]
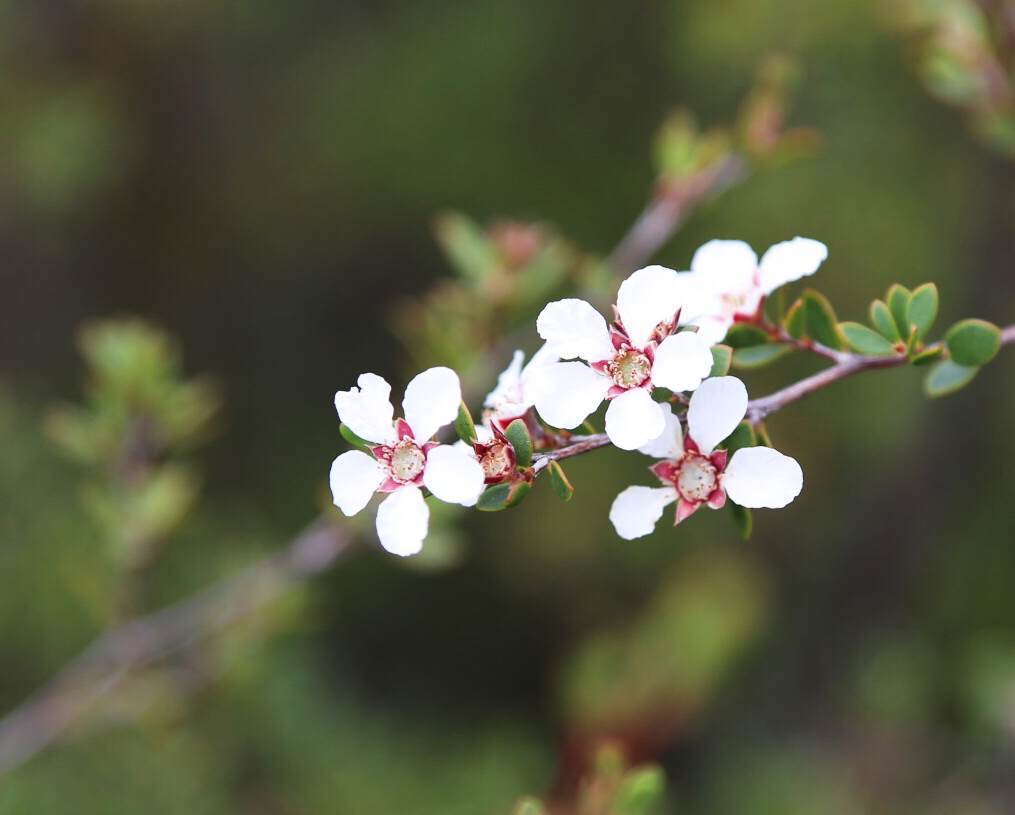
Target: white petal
[(402, 521), (725, 265), (544, 356), (431, 401), (698, 298), (508, 383), (573, 328), (716, 408), (712, 329), (367, 410), (682, 361), (453, 475), (636, 510), (355, 477), (633, 419), (565, 393), (648, 297), (790, 260), (762, 477), (670, 443)]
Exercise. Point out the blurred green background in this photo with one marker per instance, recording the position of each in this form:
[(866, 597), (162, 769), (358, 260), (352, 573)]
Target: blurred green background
[(260, 178)]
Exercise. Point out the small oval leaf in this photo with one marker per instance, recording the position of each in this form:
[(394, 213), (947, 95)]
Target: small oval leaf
[(947, 377), (494, 498), (865, 340), (517, 494), (518, 435), (796, 320), (560, 483), (973, 342), (822, 325), (745, 335), (722, 358), (898, 303), (760, 355), (922, 312), (464, 426), (881, 318)]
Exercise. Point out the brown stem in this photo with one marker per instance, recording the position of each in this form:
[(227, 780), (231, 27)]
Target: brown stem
[(758, 409)]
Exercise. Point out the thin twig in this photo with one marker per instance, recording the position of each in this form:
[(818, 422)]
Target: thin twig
[(137, 644), (670, 208), (759, 409)]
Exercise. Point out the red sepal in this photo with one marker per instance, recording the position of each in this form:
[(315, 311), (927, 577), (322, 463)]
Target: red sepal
[(685, 509)]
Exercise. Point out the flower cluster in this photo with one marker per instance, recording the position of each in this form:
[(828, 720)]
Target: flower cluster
[(655, 351)]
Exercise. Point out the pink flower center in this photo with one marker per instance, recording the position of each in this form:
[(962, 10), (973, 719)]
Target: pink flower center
[(407, 461), (630, 368), (696, 479)]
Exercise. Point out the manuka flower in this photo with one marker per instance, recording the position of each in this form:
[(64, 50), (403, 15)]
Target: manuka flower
[(625, 362), (693, 472), (727, 284), (405, 458), (513, 395)]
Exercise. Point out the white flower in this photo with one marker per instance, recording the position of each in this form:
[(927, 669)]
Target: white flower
[(512, 397), (727, 283), (405, 458), (693, 472), (624, 363)]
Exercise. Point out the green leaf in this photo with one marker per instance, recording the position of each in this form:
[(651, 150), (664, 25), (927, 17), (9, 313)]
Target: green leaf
[(560, 483), (518, 492), (865, 340), (922, 309), (881, 318), (746, 335), (464, 426), (761, 435), (947, 377), (898, 303), (494, 498), (639, 792), (722, 358), (353, 439), (743, 518), (973, 342), (518, 434), (742, 436), (822, 325), (927, 355), (750, 358), (796, 320)]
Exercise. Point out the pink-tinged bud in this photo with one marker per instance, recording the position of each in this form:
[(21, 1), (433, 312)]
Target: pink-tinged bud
[(517, 242)]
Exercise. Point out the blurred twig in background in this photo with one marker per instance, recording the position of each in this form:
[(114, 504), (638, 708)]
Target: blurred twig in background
[(141, 642), (965, 56)]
